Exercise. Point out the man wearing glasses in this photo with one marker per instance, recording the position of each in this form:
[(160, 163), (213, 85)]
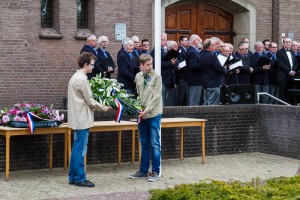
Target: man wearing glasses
[(81, 117), (273, 83), (108, 65), (287, 67), (244, 76)]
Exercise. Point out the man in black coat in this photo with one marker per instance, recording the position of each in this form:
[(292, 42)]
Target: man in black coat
[(126, 67), (90, 46), (166, 73), (273, 83), (108, 65), (244, 77), (287, 67), (182, 90), (212, 73), (260, 75), (194, 76)]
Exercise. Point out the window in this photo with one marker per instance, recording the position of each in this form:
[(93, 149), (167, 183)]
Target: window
[(85, 18), (82, 14), (47, 13), (50, 27)]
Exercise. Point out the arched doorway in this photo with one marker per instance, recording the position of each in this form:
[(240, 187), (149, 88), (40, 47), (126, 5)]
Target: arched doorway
[(198, 18)]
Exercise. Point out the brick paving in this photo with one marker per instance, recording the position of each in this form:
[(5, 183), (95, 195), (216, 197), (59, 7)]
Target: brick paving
[(112, 181)]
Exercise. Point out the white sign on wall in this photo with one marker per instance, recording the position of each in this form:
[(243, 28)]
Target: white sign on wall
[(120, 31)]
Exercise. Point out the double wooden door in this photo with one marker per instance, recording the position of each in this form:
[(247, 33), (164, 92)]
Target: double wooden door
[(198, 18)]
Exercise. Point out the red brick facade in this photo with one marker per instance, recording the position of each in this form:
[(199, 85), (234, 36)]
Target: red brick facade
[(37, 70)]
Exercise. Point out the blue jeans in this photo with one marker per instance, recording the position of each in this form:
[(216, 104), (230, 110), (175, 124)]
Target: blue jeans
[(77, 173), (149, 131)]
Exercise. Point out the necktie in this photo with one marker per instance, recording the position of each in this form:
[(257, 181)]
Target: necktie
[(96, 53), (104, 53), (287, 50), (130, 55), (136, 52), (259, 55), (274, 56)]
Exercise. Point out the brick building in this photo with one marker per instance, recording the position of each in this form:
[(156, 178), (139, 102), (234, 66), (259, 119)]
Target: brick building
[(36, 62)]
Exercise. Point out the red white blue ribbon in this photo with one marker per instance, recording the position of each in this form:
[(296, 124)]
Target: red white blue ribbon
[(119, 111), (30, 122)]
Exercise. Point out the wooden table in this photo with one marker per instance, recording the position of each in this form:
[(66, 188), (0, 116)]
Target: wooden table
[(186, 122), (9, 132), (100, 126), (181, 123)]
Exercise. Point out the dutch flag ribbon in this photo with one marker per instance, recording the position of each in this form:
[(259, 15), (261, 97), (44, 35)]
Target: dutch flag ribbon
[(30, 121), (119, 111)]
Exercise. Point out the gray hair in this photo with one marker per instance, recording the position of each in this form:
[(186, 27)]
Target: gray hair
[(90, 37), (193, 38), (215, 40), (126, 41), (135, 37), (243, 44), (170, 44), (258, 43), (102, 38)]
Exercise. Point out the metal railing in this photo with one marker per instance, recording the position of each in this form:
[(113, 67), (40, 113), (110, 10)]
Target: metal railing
[(265, 93)]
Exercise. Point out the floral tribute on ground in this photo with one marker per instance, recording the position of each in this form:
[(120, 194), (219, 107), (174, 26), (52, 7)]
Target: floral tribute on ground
[(108, 92), (30, 115)]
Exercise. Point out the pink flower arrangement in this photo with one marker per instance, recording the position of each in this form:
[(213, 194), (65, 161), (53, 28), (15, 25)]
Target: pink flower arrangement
[(19, 111)]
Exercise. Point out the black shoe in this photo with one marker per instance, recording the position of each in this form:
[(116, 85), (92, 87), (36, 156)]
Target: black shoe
[(85, 183), (72, 183)]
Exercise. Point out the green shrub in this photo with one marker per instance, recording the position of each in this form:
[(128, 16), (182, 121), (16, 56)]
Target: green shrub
[(282, 188)]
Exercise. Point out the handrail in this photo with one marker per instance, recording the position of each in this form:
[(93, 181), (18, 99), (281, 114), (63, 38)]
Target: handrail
[(265, 93)]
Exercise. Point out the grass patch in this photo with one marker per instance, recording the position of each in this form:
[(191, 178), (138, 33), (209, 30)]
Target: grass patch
[(282, 188)]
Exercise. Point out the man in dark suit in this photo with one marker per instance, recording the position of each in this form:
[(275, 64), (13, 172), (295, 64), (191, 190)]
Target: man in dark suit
[(212, 73), (145, 46), (90, 46), (136, 53), (245, 72), (260, 75), (287, 67), (194, 77), (273, 83), (167, 87), (294, 47), (108, 65), (126, 67), (182, 90)]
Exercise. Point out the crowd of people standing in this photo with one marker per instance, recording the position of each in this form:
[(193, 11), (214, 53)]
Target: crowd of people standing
[(195, 75)]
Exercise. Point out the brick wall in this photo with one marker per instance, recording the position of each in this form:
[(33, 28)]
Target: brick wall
[(38, 70), (229, 129)]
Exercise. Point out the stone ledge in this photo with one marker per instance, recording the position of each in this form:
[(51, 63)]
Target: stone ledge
[(82, 34), (50, 33)]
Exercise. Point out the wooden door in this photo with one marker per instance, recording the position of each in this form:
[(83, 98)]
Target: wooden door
[(198, 18)]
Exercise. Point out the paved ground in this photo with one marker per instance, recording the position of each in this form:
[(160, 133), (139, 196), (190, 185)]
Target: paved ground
[(112, 182)]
